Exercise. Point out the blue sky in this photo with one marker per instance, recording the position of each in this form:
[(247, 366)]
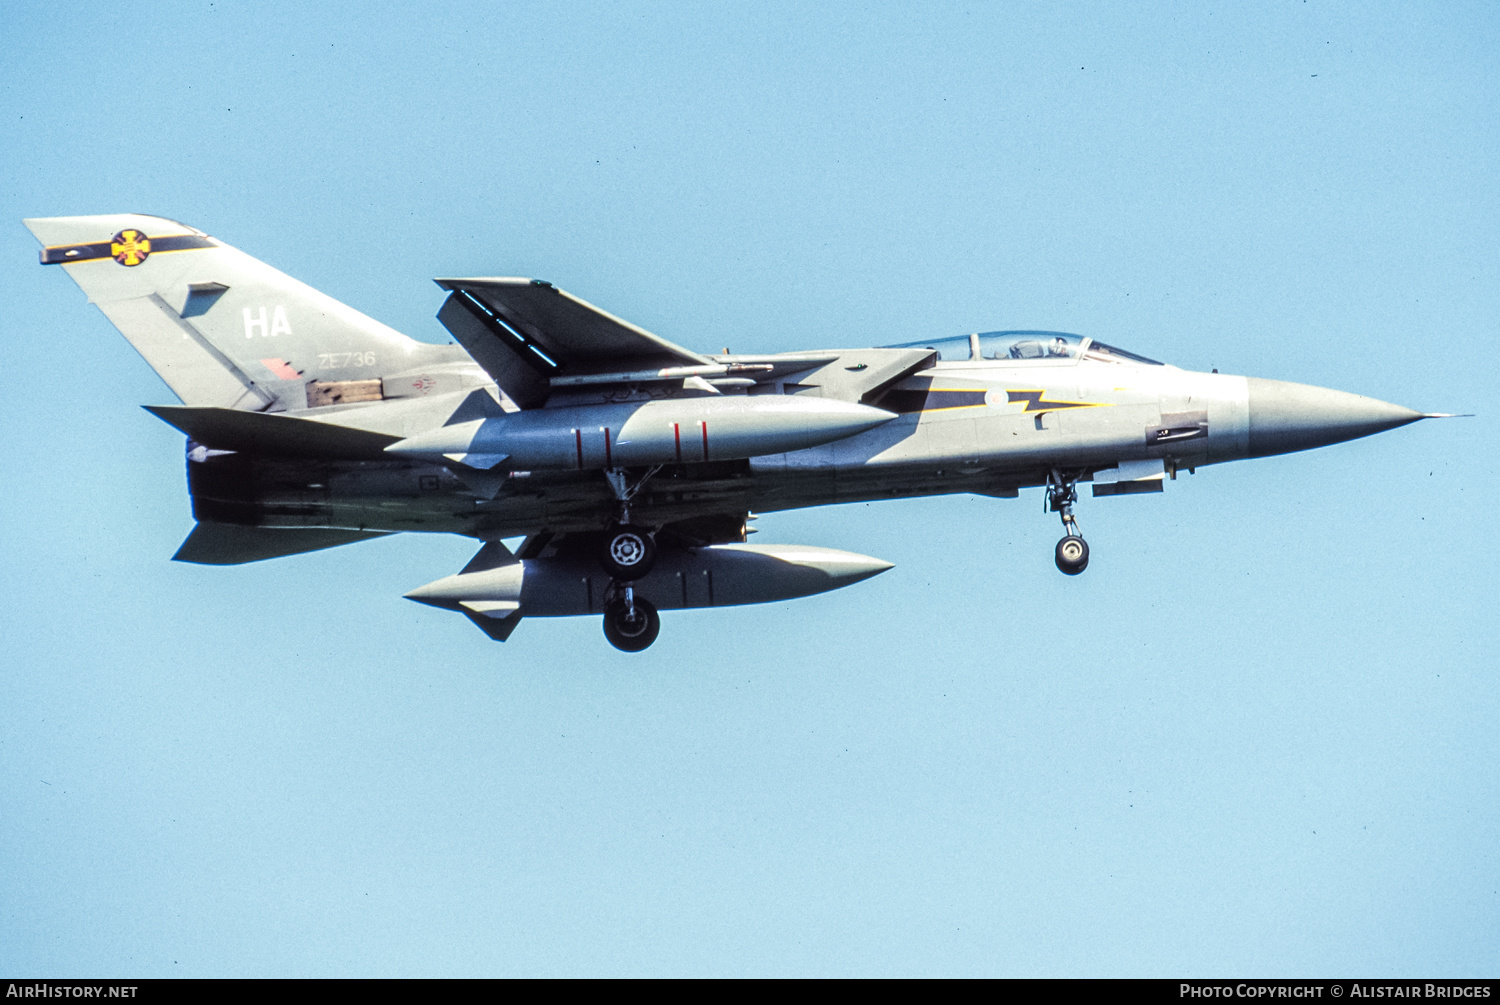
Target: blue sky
[(1256, 737)]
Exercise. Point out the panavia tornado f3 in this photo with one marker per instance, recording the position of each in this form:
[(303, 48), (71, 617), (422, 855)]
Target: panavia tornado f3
[(630, 466)]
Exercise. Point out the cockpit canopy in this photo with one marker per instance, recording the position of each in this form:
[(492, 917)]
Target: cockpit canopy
[(1027, 346)]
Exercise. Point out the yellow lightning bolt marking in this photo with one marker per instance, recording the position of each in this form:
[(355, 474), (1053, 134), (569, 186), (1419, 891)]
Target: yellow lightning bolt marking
[(1036, 403)]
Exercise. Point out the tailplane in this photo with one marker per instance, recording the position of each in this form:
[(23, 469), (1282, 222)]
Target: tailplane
[(226, 330), (232, 544)]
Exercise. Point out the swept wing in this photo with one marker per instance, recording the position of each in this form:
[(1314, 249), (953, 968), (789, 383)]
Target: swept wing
[(525, 332)]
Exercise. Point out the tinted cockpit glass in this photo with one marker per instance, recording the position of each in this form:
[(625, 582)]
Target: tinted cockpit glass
[(948, 349), (1026, 346), (1109, 354), (1029, 345)]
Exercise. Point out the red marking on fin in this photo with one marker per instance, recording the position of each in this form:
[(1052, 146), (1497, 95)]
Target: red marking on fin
[(281, 368)]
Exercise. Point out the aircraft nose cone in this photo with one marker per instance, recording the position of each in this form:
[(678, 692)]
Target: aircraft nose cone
[(1285, 417)]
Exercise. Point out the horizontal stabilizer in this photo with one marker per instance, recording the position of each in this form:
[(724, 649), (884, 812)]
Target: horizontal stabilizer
[(232, 544), (258, 432)]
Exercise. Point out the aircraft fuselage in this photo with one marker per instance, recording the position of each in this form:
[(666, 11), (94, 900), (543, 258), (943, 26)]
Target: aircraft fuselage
[(972, 427), (631, 466)]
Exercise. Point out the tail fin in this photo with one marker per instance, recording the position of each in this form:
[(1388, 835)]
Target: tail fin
[(221, 328)]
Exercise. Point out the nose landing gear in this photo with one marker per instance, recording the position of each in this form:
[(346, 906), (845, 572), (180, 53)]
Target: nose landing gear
[(1072, 555), (1072, 552)]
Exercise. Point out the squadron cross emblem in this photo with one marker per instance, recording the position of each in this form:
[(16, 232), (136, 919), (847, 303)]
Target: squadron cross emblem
[(130, 247)]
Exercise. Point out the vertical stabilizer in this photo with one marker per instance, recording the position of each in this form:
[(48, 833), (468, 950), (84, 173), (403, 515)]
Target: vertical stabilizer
[(221, 328)]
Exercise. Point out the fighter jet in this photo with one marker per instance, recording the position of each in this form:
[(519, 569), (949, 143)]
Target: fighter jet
[(631, 467)]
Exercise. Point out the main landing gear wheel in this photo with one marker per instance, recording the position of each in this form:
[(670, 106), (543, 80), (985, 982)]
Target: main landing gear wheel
[(628, 554), (631, 626), (1072, 555)]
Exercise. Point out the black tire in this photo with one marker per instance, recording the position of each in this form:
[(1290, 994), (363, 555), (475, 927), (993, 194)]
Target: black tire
[(632, 635), (1072, 555), (628, 553)]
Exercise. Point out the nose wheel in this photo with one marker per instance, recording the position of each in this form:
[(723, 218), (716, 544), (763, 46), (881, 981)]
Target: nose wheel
[(1072, 555), (1072, 552)]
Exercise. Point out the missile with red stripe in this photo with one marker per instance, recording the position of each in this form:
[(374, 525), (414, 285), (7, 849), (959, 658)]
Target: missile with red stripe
[(670, 431)]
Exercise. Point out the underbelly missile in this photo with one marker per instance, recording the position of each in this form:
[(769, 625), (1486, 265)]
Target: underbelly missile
[(670, 431)]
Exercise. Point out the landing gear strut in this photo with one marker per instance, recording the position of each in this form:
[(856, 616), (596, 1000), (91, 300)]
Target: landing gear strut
[(630, 622), (1072, 553), (629, 552)]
